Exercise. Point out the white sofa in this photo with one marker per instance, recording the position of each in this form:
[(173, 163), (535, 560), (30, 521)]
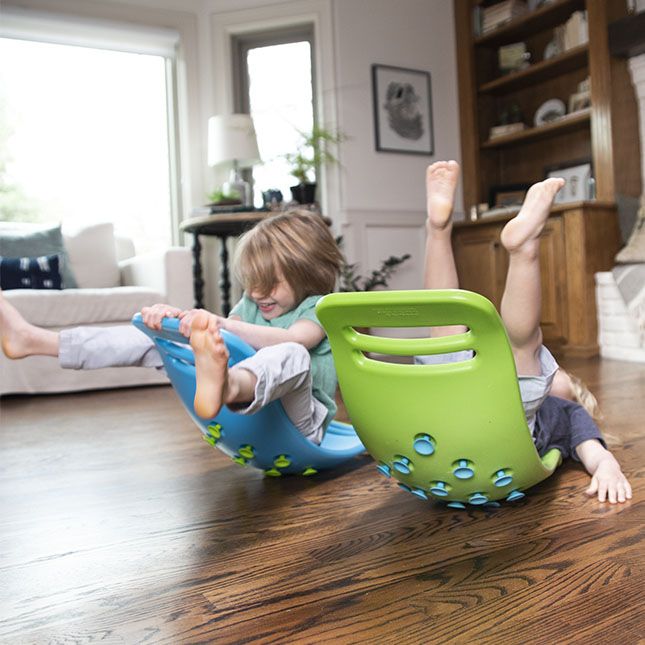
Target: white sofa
[(113, 284)]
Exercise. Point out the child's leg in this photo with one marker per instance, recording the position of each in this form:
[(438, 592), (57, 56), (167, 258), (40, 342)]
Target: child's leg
[(440, 271), (275, 372), (20, 338), (521, 302), (78, 347), (216, 385)]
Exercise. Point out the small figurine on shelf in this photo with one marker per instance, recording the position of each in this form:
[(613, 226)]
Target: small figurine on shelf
[(510, 120), (579, 101)]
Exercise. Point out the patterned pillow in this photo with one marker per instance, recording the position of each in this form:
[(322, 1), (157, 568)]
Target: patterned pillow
[(21, 243), (30, 273)]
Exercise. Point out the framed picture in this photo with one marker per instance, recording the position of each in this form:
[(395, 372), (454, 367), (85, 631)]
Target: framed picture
[(579, 180), (507, 195), (579, 101), (402, 101)]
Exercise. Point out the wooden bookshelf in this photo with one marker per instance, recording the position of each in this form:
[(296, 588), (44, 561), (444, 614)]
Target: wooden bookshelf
[(581, 238), (568, 122), (548, 16), (576, 58), (604, 133)]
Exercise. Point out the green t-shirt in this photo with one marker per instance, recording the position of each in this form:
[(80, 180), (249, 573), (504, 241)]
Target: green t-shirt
[(323, 372)]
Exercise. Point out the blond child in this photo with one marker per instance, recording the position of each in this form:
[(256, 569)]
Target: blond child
[(554, 421), (285, 265)]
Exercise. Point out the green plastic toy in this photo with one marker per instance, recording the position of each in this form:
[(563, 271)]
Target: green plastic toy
[(453, 431)]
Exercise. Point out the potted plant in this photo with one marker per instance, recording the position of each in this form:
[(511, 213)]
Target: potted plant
[(312, 153), (220, 197), (350, 281)]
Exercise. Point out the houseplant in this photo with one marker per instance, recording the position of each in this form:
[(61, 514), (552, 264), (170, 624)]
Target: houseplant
[(351, 281), (313, 152), (220, 197)]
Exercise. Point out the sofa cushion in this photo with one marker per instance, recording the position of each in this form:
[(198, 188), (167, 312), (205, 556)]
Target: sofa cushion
[(30, 273), (92, 254), (27, 241), (75, 307)]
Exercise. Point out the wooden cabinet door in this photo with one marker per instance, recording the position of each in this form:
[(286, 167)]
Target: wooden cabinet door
[(481, 261), (554, 283), (482, 264)]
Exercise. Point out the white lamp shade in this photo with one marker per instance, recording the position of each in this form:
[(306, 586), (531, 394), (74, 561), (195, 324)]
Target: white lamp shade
[(231, 138)]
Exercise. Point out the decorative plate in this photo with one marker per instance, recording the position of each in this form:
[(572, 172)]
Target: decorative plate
[(550, 111)]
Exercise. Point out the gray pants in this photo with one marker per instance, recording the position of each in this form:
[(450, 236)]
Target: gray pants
[(283, 371)]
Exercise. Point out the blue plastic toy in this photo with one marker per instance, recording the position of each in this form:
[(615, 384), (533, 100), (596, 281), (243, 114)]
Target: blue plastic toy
[(266, 440)]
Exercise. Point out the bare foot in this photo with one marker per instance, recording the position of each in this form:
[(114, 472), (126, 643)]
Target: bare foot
[(20, 338), (441, 181), (524, 229), (211, 366)]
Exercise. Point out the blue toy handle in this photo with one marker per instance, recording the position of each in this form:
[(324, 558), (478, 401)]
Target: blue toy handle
[(267, 439), (238, 349)]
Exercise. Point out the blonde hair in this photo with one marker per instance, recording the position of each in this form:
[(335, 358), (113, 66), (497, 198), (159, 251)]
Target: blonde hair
[(582, 394), (296, 244)]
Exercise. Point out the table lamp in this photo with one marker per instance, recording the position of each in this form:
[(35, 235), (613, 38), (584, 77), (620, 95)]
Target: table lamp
[(231, 140)]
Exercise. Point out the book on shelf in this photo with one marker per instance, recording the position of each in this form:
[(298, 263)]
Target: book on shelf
[(576, 30), (499, 14), (500, 210), (502, 130), (573, 33), (513, 57)]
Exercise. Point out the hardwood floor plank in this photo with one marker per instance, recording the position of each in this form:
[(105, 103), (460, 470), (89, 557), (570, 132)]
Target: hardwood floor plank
[(119, 525)]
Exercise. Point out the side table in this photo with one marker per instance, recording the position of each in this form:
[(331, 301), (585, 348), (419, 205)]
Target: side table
[(222, 226)]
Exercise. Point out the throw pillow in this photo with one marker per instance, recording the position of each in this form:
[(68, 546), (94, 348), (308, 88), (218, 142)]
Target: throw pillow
[(21, 243), (634, 251), (92, 253), (30, 273)]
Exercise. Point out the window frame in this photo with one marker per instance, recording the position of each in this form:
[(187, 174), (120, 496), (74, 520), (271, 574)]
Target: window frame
[(97, 33), (240, 46)]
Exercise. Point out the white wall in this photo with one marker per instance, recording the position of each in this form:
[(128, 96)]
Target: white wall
[(383, 193), (413, 34), (376, 199)]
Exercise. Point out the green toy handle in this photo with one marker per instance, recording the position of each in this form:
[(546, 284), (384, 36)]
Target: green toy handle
[(454, 430)]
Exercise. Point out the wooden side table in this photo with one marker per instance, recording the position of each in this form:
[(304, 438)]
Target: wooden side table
[(221, 226)]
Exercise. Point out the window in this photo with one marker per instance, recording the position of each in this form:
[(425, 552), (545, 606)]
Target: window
[(274, 73), (85, 138)]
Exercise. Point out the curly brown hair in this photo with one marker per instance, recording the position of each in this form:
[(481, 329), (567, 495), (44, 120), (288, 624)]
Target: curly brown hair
[(296, 244)]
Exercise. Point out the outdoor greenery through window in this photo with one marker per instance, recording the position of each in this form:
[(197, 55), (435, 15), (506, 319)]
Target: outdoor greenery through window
[(84, 139), (281, 106)]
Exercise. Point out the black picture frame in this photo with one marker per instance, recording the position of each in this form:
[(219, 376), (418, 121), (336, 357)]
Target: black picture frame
[(402, 106), (499, 195)]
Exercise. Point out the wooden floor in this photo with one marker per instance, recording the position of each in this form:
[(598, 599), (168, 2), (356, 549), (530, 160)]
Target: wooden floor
[(119, 525)]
